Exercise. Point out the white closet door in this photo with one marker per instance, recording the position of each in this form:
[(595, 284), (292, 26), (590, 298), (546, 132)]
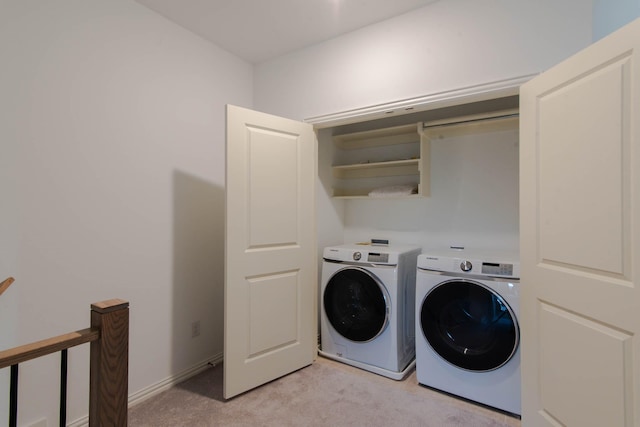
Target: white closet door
[(271, 265), (580, 238)]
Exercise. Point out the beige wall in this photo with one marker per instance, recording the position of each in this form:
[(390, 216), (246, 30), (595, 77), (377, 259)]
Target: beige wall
[(112, 185), (443, 46)]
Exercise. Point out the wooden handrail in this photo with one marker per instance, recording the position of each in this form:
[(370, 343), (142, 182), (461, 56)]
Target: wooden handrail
[(109, 360), (37, 349), (5, 284)]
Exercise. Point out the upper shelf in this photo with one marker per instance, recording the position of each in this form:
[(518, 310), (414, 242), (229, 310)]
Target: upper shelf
[(374, 169), (474, 124), (378, 137), (378, 159)]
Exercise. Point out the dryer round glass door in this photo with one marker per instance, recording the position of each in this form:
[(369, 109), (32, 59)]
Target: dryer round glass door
[(469, 325), (356, 304)]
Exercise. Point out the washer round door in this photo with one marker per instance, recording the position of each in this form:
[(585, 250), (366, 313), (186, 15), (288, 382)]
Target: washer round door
[(356, 304), (469, 325)]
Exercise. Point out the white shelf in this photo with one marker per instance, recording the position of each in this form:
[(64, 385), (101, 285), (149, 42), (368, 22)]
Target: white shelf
[(378, 158), (378, 169), (377, 137), (475, 124)]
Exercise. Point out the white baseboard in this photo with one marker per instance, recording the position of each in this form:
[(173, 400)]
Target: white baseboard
[(159, 387)]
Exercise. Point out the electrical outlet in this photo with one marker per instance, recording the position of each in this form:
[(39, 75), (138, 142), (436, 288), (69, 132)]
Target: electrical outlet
[(195, 329)]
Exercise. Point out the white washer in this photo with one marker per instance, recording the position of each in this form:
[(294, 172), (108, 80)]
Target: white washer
[(367, 307), (467, 333)]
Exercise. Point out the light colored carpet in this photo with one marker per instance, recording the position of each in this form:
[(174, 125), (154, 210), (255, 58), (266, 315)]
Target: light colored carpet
[(327, 393)]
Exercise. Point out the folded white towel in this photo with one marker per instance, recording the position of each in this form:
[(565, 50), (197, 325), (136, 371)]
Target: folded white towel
[(394, 191)]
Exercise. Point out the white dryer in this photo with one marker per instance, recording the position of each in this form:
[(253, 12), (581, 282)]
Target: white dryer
[(467, 333), (367, 307)]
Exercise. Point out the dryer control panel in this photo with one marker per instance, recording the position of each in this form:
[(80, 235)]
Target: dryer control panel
[(473, 263), (497, 269)]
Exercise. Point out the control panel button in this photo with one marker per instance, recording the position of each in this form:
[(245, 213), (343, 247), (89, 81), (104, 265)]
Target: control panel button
[(466, 266), (357, 256)]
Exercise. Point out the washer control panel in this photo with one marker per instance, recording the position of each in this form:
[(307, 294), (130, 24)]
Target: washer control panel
[(378, 257), (370, 254), (361, 256)]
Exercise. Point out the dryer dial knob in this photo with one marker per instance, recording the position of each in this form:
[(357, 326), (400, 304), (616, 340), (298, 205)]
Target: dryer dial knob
[(466, 265), (357, 256)]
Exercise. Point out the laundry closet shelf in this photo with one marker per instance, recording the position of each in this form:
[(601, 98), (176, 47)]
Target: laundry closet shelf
[(378, 169), (472, 125), (372, 159), (357, 195), (404, 134)]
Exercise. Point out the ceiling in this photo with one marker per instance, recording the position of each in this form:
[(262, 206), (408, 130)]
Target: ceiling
[(259, 30)]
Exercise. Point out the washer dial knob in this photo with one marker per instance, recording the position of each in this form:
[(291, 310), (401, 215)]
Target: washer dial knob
[(466, 265), (357, 256)]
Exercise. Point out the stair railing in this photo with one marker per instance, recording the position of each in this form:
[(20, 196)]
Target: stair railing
[(109, 363)]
